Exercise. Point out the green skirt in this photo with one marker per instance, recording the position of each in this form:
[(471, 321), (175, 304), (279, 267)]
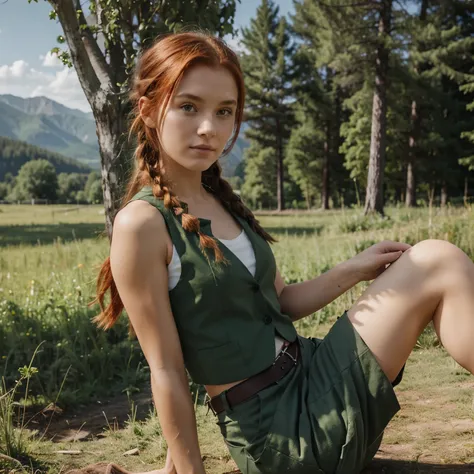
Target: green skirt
[(327, 415)]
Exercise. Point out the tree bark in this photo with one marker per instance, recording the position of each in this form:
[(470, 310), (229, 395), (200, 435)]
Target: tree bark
[(415, 133), (410, 197), (466, 191), (102, 95), (308, 197), (325, 177), (280, 169), (374, 196), (444, 194)]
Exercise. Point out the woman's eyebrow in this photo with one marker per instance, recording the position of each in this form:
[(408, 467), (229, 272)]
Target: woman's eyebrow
[(196, 98)]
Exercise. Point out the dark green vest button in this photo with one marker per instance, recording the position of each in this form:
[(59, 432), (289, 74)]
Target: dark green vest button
[(267, 319)]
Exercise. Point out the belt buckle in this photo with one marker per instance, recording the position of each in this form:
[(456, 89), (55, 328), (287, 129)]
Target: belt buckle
[(284, 352)]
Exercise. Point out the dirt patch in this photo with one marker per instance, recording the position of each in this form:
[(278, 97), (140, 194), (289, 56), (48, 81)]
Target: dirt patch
[(91, 421), (428, 435)]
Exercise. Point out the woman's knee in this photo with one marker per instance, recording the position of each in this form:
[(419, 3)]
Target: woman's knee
[(434, 255)]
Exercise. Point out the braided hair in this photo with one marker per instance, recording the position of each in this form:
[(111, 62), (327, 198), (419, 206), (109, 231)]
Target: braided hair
[(157, 75)]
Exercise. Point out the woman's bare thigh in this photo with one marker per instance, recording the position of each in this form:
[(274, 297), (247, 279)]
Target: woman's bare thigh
[(393, 311)]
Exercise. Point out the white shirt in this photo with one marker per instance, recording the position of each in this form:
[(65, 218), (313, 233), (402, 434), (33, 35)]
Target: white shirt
[(242, 248)]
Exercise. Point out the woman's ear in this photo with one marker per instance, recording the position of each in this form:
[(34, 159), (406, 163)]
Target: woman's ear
[(145, 109)]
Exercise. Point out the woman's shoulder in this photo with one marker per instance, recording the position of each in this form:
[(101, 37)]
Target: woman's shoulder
[(139, 216)]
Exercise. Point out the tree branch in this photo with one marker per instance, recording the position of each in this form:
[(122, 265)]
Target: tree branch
[(87, 57)]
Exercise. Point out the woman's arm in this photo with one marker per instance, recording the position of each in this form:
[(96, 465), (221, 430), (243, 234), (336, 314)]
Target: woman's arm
[(302, 299), (138, 263), (299, 300)]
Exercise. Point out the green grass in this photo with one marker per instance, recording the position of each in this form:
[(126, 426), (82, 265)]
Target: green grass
[(48, 263)]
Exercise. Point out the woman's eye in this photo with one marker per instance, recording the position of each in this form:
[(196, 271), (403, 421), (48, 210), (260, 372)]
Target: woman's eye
[(226, 112), (188, 107)]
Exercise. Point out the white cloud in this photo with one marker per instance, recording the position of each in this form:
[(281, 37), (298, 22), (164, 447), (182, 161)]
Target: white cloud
[(17, 70), (50, 60), (62, 86)]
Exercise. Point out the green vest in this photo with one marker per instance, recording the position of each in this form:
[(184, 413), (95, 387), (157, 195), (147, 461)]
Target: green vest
[(226, 318)]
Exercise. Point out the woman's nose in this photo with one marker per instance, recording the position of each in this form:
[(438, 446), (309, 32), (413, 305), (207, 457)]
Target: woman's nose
[(207, 127)]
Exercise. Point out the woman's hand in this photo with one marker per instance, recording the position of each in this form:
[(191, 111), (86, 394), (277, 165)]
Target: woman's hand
[(373, 261)]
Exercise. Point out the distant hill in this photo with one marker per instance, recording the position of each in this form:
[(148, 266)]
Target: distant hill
[(230, 162), (14, 154), (45, 123)]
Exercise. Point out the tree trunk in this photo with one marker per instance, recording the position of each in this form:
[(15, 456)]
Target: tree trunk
[(415, 133), (374, 195), (410, 197), (308, 196), (280, 170), (115, 159), (325, 177), (444, 194), (102, 94), (466, 191)]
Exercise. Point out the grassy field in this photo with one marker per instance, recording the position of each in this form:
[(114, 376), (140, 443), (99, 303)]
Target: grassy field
[(89, 400)]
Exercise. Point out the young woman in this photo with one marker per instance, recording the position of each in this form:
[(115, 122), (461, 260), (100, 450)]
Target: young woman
[(196, 274)]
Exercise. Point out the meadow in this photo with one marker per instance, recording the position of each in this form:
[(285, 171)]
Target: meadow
[(72, 395)]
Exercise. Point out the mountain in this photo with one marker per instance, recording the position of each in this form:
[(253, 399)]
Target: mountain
[(14, 154), (43, 106), (230, 162), (45, 123)]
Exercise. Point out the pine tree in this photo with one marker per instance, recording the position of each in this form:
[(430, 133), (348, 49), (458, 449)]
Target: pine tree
[(365, 41), (441, 41), (440, 37), (260, 176), (321, 93), (268, 72)]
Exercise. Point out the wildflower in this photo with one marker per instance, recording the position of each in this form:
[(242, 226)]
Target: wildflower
[(80, 265)]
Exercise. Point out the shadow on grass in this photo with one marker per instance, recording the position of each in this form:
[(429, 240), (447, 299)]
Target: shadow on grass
[(47, 233), (387, 466), (29, 463)]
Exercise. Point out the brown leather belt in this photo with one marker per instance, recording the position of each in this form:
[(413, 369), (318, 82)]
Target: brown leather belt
[(283, 363)]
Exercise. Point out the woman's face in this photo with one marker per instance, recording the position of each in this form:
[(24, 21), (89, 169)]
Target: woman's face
[(200, 118)]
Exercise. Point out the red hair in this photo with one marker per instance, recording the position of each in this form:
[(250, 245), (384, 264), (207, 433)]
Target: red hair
[(158, 73)]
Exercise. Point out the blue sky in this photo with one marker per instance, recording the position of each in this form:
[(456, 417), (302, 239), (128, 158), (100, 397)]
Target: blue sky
[(27, 35)]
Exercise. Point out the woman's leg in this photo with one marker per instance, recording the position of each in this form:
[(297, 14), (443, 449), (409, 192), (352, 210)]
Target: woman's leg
[(434, 280)]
